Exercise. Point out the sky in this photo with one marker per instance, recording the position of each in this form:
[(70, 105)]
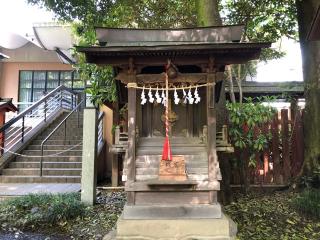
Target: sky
[(17, 16)]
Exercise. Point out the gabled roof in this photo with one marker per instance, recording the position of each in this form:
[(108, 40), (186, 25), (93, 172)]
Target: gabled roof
[(157, 37), (222, 43)]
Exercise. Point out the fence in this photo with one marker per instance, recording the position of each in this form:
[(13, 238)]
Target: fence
[(283, 159)]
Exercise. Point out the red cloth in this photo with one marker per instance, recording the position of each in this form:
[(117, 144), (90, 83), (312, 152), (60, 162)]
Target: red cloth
[(166, 152)]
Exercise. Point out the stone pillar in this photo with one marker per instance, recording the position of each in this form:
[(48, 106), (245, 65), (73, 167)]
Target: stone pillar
[(89, 155)]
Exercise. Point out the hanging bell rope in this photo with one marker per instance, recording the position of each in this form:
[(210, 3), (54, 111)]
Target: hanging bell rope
[(166, 152)]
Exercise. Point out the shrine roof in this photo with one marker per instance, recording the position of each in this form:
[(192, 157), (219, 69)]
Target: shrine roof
[(149, 37), (6, 105), (220, 42)]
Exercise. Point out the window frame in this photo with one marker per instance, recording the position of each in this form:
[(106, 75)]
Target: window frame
[(46, 82)]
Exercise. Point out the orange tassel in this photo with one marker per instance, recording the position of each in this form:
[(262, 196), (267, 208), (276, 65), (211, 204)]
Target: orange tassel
[(166, 152)]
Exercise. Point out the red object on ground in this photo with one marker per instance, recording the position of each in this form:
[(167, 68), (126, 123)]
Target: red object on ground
[(166, 152)]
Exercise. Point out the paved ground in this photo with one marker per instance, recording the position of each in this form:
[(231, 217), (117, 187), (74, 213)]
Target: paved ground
[(31, 236), (19, 189)]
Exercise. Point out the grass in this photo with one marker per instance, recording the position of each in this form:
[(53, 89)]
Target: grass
[(37, 209), (308, 202), (268, 216), (60, 216)]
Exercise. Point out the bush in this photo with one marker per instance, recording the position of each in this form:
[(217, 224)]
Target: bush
[(36, 209), (308, 202)]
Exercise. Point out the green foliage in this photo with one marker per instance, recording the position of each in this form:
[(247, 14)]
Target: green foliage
[(101, 85), (36, 209), (271, 217), (120, 13), (246, 125), (265, 20), (308, 202)]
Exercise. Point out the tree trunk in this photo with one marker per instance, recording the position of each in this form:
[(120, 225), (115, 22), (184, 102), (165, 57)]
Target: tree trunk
[(310, 52), (230, 81), (208, 13)]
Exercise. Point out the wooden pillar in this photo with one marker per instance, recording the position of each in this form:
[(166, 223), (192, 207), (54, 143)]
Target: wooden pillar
[(285, 145), (213, 165), (131, 154), (149, 119)]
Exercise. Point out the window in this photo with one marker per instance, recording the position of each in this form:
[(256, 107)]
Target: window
[(33, 84), (25, 86)]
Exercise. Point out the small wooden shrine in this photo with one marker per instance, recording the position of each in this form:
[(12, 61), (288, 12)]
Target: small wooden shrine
[(177, 198), (6, 105)]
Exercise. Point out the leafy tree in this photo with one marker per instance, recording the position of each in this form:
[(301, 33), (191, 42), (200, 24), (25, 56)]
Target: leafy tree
[(247, 122), (85, 15), (264, 20)]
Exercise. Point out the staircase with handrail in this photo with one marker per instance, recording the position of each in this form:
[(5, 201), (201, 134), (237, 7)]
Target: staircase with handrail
[(43, 143)]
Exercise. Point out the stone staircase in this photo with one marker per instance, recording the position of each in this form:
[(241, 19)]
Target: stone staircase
[(61, 168), (149, 152)]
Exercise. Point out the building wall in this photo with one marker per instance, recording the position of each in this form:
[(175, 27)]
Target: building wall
[(27, 57), (9, 78)]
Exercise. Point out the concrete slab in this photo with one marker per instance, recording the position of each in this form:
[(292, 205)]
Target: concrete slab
[(20, 189)]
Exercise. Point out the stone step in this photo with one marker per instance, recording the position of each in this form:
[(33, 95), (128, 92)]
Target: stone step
[(64, 152), (155, 164), (54, 137), (70, 130), (190, 159), (50, 159), (196, 177), (45, 171), (155, 171), (45, 164), (37, 179), (58, 142), (174, 141), (175, 150), (54, 147)]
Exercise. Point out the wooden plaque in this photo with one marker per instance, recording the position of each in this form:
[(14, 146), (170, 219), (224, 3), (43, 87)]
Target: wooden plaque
[(174, 169)]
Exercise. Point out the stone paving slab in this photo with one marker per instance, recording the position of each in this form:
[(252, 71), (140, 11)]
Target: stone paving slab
[(20, 189)]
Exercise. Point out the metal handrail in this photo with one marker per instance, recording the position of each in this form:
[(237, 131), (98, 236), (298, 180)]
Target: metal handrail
[(55, 129), (15, 131), (36, 104)]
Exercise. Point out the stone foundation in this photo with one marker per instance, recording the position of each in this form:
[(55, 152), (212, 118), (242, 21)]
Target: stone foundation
[(174, 229)]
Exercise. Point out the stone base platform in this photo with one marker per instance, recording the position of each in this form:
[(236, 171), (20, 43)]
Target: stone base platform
[(186, 211), (174, 229)]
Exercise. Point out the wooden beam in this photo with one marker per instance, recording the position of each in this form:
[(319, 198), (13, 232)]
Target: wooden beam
[(159, 78), (221, 59), (115, 170)]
